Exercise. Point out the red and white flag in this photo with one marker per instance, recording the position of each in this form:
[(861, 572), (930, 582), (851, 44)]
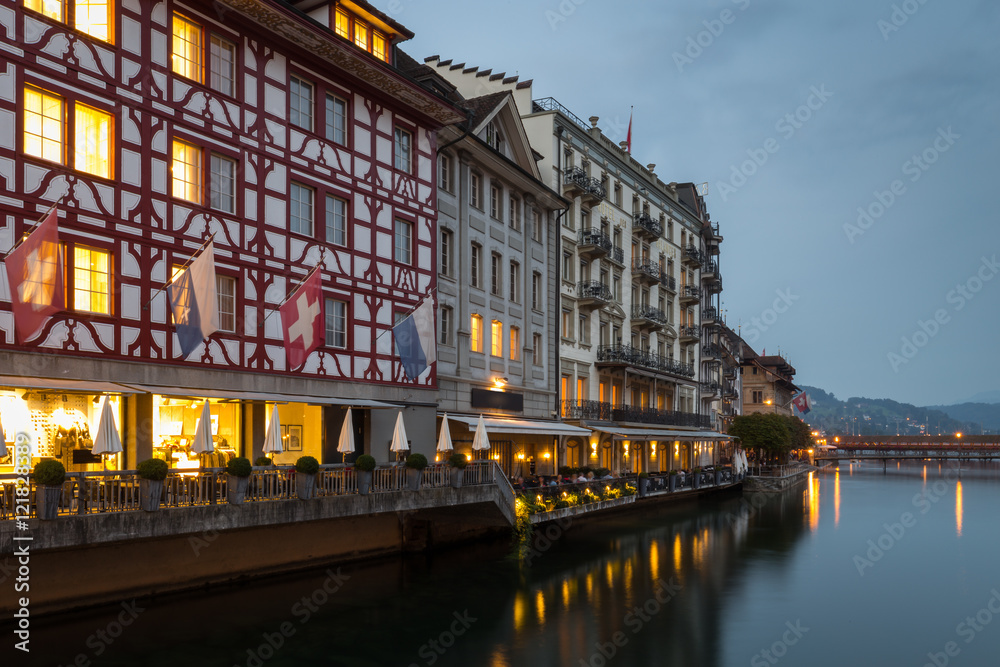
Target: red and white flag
[(35, 276), (302, 319), (628, 139), (802, 403)]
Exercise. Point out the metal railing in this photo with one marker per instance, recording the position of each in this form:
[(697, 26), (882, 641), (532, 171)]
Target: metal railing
[(668, 282), (101, 492), (633, 356), (646, 267), (593, 289), (618, 255), (578, 177), (551, 104), (645, 312), (691, 292), (690, 331), (709, 313), (646, 223), (595, 237), (692, 254)]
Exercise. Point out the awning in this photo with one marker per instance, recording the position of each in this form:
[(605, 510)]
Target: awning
[(66, 385), (663, 434), (261, 397), (522, 426)]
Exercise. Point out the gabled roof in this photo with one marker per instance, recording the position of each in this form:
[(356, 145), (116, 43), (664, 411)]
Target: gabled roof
[(500, 108)]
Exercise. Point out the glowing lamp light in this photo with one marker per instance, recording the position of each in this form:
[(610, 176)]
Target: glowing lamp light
[(520, 457), (958, 435), (499, 383), (545, 455)]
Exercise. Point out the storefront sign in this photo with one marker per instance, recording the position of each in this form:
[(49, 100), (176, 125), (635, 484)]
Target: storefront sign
[(498, 400)]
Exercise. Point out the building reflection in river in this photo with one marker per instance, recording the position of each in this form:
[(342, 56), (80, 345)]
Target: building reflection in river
[(958, 507)]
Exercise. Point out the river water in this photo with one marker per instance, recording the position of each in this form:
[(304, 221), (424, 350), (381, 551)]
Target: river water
[(851, 567)]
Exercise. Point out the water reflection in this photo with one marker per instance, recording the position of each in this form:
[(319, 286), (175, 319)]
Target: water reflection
[(836, 498), (958, 507)]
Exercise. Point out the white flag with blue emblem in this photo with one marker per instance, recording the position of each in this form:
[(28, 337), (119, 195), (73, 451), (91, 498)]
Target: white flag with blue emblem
[(415, 339), (194, 302)]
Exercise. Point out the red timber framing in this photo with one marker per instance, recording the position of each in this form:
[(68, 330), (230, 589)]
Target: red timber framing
[(237, 125)]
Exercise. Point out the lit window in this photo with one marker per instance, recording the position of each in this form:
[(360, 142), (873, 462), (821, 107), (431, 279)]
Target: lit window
[(515, 344), (93, 17), (187, 48), (336, 220), (222, 66), (336, 120), (93, 141), (186, 171), (496, 342), (336, 323), (300, 96), (43, 125), (225, 288), (360, 35), (404, 234), (476, 337), (343, 24), (51, 8), (222, 184), (90, 280), (300, 215), (379, 46), (401, 155)]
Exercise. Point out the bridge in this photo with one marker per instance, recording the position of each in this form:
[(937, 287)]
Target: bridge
[(959, 447)]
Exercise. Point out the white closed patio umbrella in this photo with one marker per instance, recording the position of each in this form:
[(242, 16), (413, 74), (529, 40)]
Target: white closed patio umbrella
[(107, 440), (399, 441), (272, 441), (444, 437), (203, 432), (345, 445), (3, 441), (481, 441)]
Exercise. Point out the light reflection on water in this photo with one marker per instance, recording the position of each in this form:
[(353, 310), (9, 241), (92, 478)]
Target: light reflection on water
[(712, 582)]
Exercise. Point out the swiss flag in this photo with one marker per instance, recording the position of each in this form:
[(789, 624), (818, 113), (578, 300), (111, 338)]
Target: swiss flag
[(802, 403), (302, 320), (35, 276)]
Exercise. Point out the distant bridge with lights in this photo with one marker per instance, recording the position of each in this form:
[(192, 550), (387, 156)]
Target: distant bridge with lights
[(958, 447)]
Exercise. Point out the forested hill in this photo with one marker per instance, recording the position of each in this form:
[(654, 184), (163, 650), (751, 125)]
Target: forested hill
[(883, 416)]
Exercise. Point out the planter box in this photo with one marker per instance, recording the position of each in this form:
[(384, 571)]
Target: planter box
[(672, 483), (696, 480), (47, 501), (643, 486), (237, 489), (456, 477), (413, 478), (305, 485), (150, 491), (364, 481), (718, 477)]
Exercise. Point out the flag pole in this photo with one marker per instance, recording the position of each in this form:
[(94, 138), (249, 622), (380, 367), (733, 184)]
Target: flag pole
[(35, 226), (288, 296), (186, 264)]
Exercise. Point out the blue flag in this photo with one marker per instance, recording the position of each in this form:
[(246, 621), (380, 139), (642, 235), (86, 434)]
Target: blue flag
[(415, 340), (194, 302)]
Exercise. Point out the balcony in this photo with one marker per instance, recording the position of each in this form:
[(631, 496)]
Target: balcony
[(711, 351), (634, 413), (709, 270), (709, 315), (690, 294), (691, 256), (644, 225), (577, 183), (729, 391), (595, 410), (711, 389), (690, 333), (594, 243), (593, 294), (646, 270), (626, 355), (648, 317), (714, 286), (617, 256), (668, 282)]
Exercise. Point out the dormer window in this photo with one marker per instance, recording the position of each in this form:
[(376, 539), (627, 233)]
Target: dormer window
[(494, 138), (363, 35)]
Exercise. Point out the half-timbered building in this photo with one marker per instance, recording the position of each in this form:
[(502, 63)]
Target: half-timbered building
[(282, 130)]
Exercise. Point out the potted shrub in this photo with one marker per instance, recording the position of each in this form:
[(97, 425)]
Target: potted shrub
[(49, 476), (262, 461), (457, 462), (151, 473), (415, 464), (672, 481), (696, 478), (363, 466), (643, 484), (305, 478), (239, 470)]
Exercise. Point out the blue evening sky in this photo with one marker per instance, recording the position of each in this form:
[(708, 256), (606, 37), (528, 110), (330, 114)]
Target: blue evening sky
[(887, 81)]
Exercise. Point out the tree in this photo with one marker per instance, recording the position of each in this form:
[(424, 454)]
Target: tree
[(768, 434), (801, 435)]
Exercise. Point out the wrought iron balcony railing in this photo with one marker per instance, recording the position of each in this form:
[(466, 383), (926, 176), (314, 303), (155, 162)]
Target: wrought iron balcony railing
[(595, 237), (582, 409), (633, 356), (709, 313), (643, 222), (692, 255), (690, 332), (604, 411), (577, 177), (646, 268), (668, 282), (650, 313), (617, 256), (593, 289), (691, 293), (711, 351), (709, 269)]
